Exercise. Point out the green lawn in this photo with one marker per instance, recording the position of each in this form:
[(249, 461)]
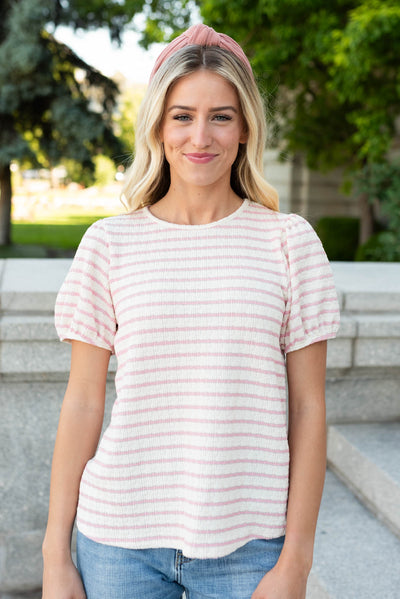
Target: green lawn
[(52, 238)]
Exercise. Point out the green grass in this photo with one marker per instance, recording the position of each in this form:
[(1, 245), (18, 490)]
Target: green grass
[(52, 238)]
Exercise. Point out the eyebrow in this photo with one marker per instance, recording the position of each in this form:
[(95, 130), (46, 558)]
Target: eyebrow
[(192, 109)]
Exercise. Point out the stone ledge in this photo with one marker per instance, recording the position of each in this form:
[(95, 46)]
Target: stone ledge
[(365, 456), (27, 328), (32, 284)]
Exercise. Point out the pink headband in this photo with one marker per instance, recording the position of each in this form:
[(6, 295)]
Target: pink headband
[(201, 35)]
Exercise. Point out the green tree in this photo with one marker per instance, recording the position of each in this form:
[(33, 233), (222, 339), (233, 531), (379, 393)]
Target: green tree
[(126, 115), (330, 71), (46, 111)]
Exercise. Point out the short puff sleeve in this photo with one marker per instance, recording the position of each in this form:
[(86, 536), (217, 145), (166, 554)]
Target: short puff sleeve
[(312, 310), (84, 308)]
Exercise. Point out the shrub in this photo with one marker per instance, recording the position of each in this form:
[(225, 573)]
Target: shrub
[(339, 236), (380, 247)]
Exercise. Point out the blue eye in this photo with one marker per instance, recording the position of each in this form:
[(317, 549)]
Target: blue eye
[(222, 117), (181, 117)]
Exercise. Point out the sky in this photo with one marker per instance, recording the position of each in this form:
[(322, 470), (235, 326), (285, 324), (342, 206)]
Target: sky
[(95, 48)]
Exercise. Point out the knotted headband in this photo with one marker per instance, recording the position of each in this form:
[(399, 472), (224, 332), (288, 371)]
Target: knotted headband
[(201, 35)]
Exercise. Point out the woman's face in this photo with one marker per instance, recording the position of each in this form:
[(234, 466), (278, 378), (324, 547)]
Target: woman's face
[(201, 130)]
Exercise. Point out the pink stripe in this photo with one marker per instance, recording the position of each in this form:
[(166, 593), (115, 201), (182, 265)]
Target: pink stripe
[(208, 249), (181, 487), (311, 280), (91, 250), (186, 473), (189, 259), (92, 237), (217, 267), (311, 255), (155, 344), (307, 330), (305, 244), (201, 394), (207, 408), (191, 434), (164, 316), (175, 459), (88, 263), (86, 275), (323, 337), (141, 385), (90, 292), (163, 290), (197, 329), (118, 230), (136, 306), (181, 513), (318, 315), (148, 423), (181, 500), (312, 317), (215, 302), (69, 333), (189, 281), (182, 446), (76, 322), (318, 303), (320, 290), (90, 315), (212, 236), (164, 525), (183, 367), (201, 355), (321, 265)]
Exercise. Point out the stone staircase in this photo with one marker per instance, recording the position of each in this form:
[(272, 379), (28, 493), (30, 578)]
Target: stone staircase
[(357, 552), (357, 549)]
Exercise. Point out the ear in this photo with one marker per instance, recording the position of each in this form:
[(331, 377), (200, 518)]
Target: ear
[(244, 136)]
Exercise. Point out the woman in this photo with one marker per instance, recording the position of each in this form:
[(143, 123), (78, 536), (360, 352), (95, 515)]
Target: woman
[(209, 298)]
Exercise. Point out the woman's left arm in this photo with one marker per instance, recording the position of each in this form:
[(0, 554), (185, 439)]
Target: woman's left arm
[(306, 369)]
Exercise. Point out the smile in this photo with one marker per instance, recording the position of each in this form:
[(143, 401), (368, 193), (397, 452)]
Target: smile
[(201, 158)]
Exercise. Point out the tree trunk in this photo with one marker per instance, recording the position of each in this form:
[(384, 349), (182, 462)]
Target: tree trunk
[(5, 205), (366, 218)]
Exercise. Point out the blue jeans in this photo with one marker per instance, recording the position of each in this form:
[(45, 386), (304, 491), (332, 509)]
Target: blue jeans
[(116, 573)]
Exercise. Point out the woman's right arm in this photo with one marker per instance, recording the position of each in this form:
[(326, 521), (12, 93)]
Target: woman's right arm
[(78, 434)]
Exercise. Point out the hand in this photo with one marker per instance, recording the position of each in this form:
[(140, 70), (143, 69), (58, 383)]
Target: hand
[(282, 583), (62, 582)]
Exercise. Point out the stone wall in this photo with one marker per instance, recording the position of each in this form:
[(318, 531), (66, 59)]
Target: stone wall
[(307, 192), (363, 385)]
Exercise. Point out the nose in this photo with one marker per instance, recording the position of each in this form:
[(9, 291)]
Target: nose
[(201, 137)]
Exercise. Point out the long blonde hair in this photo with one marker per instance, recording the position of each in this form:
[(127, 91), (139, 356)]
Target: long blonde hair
[(147, 180)]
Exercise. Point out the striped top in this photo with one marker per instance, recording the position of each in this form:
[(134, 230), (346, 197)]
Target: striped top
[(200, 318)]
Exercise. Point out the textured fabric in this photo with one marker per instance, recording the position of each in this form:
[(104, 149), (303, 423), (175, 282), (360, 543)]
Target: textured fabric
[(200, 318), (201, 35)]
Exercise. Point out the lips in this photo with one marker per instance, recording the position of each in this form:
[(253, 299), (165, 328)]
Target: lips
[(200, 158)]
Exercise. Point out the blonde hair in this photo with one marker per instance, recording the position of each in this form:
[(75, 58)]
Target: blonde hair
[(148, 178)]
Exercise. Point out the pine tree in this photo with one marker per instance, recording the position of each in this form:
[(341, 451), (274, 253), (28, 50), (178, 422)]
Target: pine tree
[(46, 112)]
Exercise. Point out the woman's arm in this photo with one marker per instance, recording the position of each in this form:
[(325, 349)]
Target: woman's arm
[(78, 434), (306, 369)]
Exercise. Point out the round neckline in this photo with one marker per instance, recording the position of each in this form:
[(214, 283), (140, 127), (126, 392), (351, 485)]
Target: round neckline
[(167, 223)]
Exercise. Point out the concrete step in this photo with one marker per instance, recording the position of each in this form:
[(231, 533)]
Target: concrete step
[(356, 556), (367, 458)]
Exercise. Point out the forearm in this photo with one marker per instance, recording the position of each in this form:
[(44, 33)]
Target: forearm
[(307, 442), (77, 438)]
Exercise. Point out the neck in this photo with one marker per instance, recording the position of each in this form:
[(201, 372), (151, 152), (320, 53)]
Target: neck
[(196, 206)]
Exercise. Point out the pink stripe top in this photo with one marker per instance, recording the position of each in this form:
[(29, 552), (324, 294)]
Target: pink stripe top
[(200, 318)]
